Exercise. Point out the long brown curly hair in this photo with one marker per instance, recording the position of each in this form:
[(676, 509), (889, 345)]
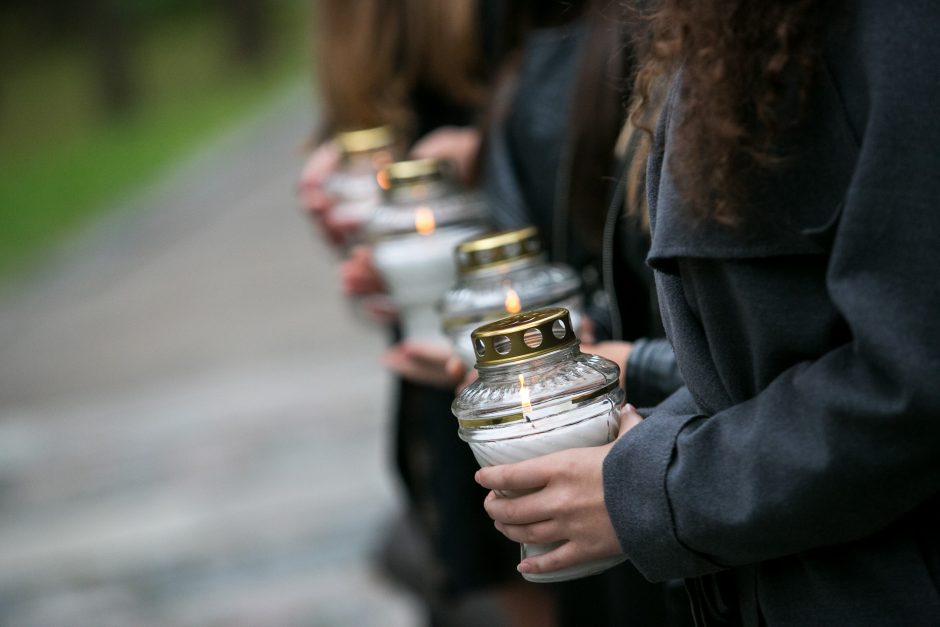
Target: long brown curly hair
[(746, 73)]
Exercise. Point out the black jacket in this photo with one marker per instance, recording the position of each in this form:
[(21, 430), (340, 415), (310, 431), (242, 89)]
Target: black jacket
[(796, 477)]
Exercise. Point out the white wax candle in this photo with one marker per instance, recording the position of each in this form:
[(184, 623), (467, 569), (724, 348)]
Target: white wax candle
[(357, 196), (418, 269), (591, 429)]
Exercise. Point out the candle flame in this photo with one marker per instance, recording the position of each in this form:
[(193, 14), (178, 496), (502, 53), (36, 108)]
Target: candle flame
[(524, 396), (424, 221), (512, 302), (381, 178)]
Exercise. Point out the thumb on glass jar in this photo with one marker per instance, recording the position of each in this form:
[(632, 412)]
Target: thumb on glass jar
[(629, 418)]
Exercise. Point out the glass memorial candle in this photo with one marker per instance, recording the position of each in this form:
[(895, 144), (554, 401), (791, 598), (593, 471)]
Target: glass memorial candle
[(362, 154), (505, 273), (422, 218), (537, 394)]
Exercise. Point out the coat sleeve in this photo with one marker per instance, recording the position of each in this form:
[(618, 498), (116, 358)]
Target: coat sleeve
[(837, 448), (636, 499), (652, 373)]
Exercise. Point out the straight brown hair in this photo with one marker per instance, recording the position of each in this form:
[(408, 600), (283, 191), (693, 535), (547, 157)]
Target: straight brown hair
[(371, 54)]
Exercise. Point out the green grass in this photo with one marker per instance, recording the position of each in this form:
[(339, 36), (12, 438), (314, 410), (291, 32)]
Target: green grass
[(61, 165)]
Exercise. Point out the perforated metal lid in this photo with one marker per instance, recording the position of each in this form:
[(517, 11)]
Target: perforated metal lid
[(522, 336), (405, 173), (501, 247), (366, 139)]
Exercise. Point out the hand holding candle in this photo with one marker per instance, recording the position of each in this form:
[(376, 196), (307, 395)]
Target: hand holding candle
[(423, 217), (338, 186), (314, 199), (358, 274), (537, 395), (561, 502), (431, 364), (457, 144), (501, 273)]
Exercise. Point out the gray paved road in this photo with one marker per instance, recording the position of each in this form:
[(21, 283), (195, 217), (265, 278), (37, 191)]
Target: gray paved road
[(192, 424)]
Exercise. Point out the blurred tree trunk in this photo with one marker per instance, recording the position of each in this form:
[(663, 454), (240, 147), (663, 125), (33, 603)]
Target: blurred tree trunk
[(113, 37), (250, 34)]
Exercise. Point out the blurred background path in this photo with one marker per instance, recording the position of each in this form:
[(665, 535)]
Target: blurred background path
[(192, 422)]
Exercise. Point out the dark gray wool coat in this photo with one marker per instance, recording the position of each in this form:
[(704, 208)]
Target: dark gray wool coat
[(794, 481)]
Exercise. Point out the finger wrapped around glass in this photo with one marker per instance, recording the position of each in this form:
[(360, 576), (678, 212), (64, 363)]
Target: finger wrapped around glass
[(353, 184), (504, 273), (422, 218), (537, 394)]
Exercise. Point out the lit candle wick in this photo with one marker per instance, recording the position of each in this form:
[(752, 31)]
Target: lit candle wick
[(512, 303), (424, 221), (524, 395)]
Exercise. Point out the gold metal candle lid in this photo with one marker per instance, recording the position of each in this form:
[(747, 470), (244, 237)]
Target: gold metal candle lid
[(365, 140), (523, 335), (405, 173), (496, 248)]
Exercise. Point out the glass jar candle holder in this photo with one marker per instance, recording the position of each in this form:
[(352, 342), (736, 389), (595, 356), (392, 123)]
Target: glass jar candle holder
[(422, 218), (504, 273), (353, 184), (537, 393)]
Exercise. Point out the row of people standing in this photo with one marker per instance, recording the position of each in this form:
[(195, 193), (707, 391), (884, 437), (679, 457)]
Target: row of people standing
[(539, 164), (785, 293), (550, 157), (793, 479), (420, 67)]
